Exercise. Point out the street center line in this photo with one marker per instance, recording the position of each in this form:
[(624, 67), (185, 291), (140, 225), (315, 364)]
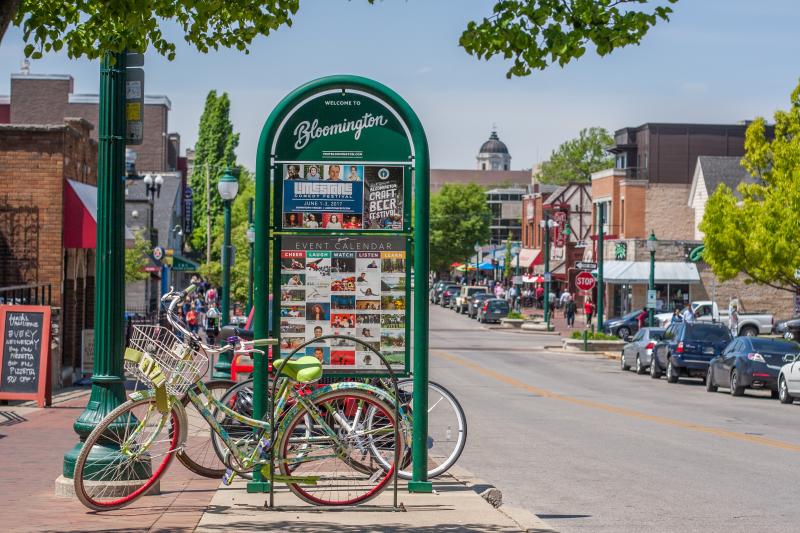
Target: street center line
[(630, 413)]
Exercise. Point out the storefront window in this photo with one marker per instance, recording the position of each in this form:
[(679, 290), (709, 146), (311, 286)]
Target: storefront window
[(678, 295)]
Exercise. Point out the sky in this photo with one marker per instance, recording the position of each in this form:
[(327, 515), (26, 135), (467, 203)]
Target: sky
[(716, 61)]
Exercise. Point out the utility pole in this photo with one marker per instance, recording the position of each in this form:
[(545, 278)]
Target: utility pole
[(547, 269), (208, 214)]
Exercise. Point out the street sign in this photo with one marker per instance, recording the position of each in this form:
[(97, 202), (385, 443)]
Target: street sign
[(548, 277), (134, 106), (585, 265), (158, 253), (651, 299), (134, 59), (585, 281)]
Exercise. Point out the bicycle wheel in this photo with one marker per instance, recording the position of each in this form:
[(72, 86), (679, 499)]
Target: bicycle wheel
[(126, 453), (447, 428), (311, 451), (198, 454)]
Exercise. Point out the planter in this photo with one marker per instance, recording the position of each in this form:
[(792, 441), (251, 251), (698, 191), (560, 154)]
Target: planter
[(534, 325), (511, 322), (592, 346)]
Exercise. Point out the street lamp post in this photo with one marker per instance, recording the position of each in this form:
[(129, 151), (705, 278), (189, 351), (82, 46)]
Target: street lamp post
[(152, 191), (478, 249), (515, 250), (228, 187), (652, 246), (251, 239), (601, 217)]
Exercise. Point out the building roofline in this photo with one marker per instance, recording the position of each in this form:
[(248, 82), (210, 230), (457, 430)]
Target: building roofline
[(5, 99), (149, 99), (19, 76)]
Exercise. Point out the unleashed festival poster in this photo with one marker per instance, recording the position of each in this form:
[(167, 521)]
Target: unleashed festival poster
[(342, 196)]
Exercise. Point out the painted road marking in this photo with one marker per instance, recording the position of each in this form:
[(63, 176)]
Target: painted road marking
[(630, 413)]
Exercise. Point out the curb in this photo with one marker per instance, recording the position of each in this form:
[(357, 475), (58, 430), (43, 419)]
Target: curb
[(526, 520)]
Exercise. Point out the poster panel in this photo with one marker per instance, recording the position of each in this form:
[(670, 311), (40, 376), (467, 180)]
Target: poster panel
[(354, 286)]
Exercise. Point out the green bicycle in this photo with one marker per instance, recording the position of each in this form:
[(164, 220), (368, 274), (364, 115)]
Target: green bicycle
[(317, 451)]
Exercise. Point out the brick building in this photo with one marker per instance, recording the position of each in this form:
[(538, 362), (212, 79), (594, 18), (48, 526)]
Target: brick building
[(651, 188), (47, 175)]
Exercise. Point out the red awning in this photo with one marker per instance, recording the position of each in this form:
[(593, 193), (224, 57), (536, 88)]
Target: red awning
[(80, 216), (529, 257)]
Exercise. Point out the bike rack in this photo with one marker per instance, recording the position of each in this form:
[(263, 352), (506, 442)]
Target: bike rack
[(277, 372)]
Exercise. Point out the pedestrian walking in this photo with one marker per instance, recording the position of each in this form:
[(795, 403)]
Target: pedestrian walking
[(734, 321), (564, 300), (688, 314), (641, 318), (570, 309), (588, 310)]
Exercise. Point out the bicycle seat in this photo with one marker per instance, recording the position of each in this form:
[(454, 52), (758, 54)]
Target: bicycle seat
[(306, 369)]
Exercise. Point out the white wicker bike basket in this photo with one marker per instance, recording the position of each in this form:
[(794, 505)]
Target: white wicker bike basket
[(181, 365)]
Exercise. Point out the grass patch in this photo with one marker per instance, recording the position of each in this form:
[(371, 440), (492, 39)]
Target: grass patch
[(514, 314)]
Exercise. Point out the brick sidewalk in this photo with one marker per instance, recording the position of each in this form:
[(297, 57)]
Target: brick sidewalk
[(32, 447)]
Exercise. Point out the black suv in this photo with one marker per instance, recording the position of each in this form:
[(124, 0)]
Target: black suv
[(686, 349)]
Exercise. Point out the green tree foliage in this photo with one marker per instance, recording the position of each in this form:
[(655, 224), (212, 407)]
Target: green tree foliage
[(757, 235), (214, 151), (535, 33), (459, 218), (136, 258), (538, 33), (576, 159), (88, 28), (507, 264)]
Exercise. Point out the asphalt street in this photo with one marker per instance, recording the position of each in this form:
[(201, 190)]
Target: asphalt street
[(588, 447)]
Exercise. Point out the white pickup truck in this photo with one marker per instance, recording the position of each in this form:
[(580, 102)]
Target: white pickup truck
[(750, 324)]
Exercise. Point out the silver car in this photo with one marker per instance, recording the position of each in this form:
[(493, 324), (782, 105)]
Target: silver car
[(639, 351)]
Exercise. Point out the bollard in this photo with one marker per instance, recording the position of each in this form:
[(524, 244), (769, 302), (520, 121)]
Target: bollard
[(585, 341)]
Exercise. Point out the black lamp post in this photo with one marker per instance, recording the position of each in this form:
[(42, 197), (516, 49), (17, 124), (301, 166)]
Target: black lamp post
[(652, 246)]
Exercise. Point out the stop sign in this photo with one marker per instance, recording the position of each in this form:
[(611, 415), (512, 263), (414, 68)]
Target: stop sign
[(584, 281)]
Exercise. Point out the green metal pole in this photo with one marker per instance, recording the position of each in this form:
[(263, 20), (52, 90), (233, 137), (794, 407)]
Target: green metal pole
[(650, 310), (222, 370), (250, 269), (109, 310), (600, 285), (547, 270)]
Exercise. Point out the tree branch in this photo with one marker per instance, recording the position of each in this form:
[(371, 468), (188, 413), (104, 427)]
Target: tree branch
[(8, 8)]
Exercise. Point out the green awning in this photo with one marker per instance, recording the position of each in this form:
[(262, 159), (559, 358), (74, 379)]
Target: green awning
[(183, 264)]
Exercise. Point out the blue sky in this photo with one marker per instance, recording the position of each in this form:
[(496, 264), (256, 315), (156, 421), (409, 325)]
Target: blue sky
[(716, 61)]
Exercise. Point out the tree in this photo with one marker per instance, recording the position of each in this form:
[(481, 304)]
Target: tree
[(459, 218), (214, 151), (576, 159), (508, 257), (757, 235), (136, 258), (536, 33)]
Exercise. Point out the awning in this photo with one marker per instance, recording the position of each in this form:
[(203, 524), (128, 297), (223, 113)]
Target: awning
[(639, 272), (529, 257), (183, 264), (80, 216)]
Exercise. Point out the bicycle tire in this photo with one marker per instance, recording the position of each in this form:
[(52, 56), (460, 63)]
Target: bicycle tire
[(198, 453), (106, 497), (338, 477)]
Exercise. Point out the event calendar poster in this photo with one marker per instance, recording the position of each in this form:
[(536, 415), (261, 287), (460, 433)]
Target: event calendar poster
[(353, 286), (342, 196)]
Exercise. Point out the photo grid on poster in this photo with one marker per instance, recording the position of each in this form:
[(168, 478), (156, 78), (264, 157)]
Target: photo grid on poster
[(342, 196), (355, 293)]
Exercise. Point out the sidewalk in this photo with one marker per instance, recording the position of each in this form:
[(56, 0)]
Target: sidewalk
[(455, 506), (32, 446), (33, 442)]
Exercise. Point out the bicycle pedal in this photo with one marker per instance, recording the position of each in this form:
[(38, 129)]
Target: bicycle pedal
[(227, 479)]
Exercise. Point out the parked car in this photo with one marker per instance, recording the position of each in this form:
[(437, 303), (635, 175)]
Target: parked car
[(459, 303), (686, 348), (788, 329), (622, 326), (789, 379), (475, 302), (492, 310), (437, 296), (750, 324), (639, 350), (434, 288), (448, 294), (750, 363)]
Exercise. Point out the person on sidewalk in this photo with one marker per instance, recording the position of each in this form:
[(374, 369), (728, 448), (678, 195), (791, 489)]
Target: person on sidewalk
[(570, 309), (588, 310), (688, 314), (564, 300), (641, 318)]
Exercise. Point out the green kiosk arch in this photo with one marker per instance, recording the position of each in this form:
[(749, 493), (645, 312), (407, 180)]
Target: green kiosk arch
[(339, 160)]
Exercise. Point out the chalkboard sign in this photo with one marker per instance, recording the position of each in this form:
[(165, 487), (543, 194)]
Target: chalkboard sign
[(25, 334)]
